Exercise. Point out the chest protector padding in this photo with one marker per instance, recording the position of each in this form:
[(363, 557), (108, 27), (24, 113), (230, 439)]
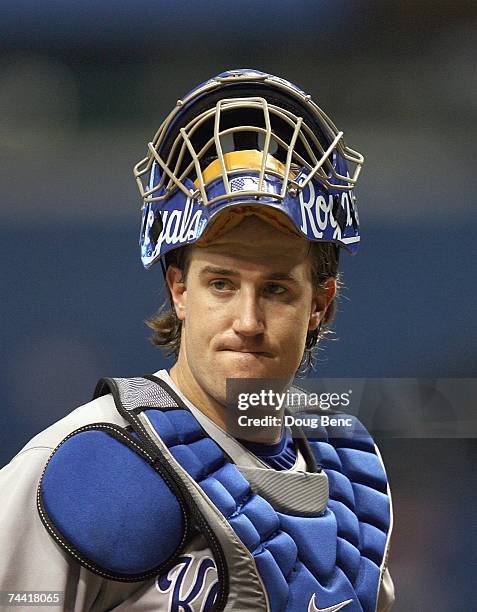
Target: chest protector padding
[(334, 556)]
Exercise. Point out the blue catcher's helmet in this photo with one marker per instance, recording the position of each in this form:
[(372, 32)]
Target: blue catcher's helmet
[(246, 142)]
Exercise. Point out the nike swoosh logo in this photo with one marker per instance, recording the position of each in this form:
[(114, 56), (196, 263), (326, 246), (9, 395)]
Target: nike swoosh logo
[(312, 605)]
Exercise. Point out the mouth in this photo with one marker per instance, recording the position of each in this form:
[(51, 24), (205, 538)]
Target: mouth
[(250, 353)]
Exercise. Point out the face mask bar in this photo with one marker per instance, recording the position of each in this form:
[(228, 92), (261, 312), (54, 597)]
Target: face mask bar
[(313, 157)]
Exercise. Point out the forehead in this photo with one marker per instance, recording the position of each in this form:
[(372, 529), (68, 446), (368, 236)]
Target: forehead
[(255, 243)]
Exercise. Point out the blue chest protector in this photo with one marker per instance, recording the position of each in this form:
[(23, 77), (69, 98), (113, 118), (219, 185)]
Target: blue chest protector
[(125, 501)]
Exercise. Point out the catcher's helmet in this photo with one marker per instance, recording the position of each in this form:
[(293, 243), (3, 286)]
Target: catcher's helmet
[(246, 142)]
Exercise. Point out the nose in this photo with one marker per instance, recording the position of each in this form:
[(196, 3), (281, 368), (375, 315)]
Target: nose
[(249, 320)]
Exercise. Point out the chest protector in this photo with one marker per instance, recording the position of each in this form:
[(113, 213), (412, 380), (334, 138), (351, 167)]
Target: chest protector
[(124, 501)]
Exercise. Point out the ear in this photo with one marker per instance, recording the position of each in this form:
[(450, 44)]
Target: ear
[(177, 287), (321, 301)]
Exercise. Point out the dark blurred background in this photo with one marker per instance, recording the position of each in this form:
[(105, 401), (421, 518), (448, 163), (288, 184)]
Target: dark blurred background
[(84, 85)]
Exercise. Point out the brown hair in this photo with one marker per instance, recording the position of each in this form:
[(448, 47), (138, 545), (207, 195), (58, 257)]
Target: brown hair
[(324, 264)]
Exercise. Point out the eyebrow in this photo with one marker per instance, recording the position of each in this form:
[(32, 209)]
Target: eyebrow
[(219, 271), (285, 276)]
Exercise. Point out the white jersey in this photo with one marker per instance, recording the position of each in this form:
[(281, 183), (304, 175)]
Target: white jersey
[(31, 561)]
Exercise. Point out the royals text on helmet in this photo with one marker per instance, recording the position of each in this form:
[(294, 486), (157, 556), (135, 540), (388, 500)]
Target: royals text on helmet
[(247, 141)]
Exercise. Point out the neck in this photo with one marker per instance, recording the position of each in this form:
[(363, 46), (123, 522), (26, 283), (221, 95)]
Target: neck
[(188, 386), (214, 410)]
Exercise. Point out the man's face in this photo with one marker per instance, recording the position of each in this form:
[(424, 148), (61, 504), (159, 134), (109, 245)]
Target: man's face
[(246, 306)]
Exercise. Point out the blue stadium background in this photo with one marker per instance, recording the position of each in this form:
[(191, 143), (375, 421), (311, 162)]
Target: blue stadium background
[(82, 88)]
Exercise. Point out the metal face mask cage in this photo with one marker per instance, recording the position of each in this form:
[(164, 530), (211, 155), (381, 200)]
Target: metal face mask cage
[(244, 121)]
